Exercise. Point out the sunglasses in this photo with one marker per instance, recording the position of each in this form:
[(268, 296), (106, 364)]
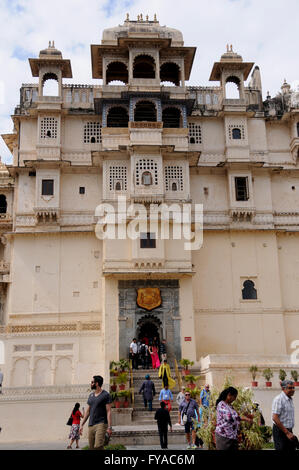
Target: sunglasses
[(187, 394)]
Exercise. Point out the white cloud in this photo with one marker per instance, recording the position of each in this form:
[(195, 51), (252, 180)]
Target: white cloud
[(264, 32)]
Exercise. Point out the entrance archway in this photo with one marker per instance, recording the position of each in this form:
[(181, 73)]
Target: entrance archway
[(151, 327)]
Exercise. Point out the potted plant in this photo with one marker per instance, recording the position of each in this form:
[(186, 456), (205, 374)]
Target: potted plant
[(115, 400), (113, 386), (124, 394), (282, 375), (253, 370), (294, 375), (123, 365), (191, 379), (121, 379), (186, 363), (267, 373), (113, 368), (195, 392)]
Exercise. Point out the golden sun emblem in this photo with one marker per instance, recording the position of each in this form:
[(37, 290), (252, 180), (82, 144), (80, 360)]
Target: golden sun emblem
[(149, 298)]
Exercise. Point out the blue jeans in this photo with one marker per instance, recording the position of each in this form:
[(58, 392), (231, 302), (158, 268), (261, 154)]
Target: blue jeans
[(150, 404)]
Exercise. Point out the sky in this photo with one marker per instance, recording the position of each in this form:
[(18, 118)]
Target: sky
[(262, 31)]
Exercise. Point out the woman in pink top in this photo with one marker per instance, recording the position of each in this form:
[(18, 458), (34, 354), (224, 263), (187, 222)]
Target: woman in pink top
[(228, 421)]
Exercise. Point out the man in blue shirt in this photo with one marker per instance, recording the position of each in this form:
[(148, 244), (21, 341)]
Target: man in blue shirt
[(166, 396), (205, 396)]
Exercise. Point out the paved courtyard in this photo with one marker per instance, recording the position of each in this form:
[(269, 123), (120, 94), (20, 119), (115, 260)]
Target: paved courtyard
[(61, 445)]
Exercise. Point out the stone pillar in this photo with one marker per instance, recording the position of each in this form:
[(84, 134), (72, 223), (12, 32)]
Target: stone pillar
[(188, 320), (110, 324)]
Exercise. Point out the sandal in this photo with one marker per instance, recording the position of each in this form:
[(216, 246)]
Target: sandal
[(69, 447)]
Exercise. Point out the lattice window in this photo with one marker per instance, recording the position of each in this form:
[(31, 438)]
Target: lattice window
[(194, 133), (174, 180), (22, 347), (43, 347), (92, 133), (146, 165), (64, 347), (48, 128), (232, 128), (118, 178)]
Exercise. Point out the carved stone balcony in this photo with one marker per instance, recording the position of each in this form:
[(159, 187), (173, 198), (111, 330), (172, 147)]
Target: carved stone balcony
[(177, 137), (4, 271), (113, 137), (48, 152), (294, 147), (146, 133), (46, 215), (242, 214), (5, 221)]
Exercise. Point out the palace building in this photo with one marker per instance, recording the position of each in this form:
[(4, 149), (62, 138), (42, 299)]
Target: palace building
[(71, 302)]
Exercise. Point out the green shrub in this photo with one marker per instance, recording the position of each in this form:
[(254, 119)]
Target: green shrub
[(186, 363), (110, 447), (252, 436), (253, 370), (268, 374), (115, 447)]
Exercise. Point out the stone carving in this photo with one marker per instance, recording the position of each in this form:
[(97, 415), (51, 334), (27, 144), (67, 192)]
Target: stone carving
[(149, 298)]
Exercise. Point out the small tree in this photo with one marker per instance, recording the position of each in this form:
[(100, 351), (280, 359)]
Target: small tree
[(282, 374), (268, 374), (294, 375), (122, 379), (253, 370), (123, 365), (186, 363)]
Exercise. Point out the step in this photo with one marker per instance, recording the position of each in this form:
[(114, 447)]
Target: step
[(144, 435)]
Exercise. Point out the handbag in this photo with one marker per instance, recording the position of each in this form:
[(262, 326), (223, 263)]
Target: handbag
[(70, 421), (184, 417)]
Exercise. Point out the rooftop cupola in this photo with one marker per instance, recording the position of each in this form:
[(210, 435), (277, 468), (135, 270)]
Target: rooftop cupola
[(50, 66), (231, 69), (142, 52)]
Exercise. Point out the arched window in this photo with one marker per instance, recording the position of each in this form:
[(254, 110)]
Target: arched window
[(3, 204), (144, 67), (117, 71), (249, 291), (117, 117), (50, 85), (147, 179), (297, 129), (118, 186), (232, 88), (174, 187), (171, 117), (145, 111), (170, 72), (236, 133)]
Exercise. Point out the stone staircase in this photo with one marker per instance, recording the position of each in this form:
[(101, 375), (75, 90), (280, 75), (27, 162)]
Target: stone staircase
[(143, 429)]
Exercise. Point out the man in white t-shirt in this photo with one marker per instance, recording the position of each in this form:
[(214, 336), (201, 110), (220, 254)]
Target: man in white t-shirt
[(134, 353)]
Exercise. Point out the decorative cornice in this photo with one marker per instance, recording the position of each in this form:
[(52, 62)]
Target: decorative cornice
[(51, 328)]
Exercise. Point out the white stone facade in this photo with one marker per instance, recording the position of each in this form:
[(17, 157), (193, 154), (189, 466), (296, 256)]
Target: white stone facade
[(151, 143)]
